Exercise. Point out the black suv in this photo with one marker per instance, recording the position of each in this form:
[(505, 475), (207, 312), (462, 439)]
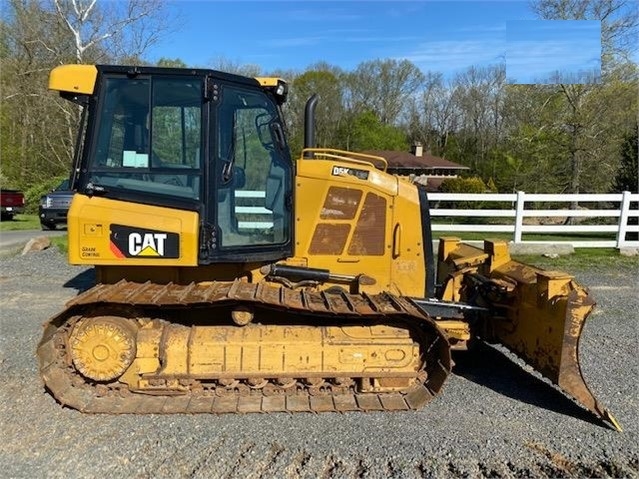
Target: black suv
[(54, 206)]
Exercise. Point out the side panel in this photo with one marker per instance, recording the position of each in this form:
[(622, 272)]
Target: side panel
[(343, 220), (353, 219), (408, 266), (110, 232)]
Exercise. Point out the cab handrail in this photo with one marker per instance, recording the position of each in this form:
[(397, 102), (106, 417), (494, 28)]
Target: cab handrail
[(348, 156)]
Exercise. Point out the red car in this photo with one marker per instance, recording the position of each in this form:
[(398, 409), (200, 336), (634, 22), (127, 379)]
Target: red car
[(11, 203)]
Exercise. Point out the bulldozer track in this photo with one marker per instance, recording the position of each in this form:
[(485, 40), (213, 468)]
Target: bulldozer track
[(148, 299)]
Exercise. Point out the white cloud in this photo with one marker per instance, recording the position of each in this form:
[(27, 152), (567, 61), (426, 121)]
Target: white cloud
[(535, 59), (321, 15), (481, 28), (334, 37), (293, 41), (565, 27), (449, 55)]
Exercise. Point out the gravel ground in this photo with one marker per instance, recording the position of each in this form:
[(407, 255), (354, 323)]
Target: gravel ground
[(493, 419)]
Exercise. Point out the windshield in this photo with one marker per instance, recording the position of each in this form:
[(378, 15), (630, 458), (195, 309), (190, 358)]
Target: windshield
[(149, 136)]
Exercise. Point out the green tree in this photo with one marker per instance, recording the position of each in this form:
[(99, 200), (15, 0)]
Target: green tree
[(171, 63), (383, 86), (327, 82), (592, 116), (224, 64), (433, 117), (38, 128), (112, 30), (566, 137), (368, 132), (478, 96), (627, 176), (619, 23)]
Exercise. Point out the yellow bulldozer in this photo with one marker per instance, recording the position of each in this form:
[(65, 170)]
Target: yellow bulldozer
[(323, 294)]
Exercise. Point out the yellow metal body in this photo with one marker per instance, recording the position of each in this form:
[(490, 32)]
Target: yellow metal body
[(342, 223), (103, 348), (267, 351), (73, 79), (350, 225), (269, 81), (91, 234), (351, 218), (539, 315)]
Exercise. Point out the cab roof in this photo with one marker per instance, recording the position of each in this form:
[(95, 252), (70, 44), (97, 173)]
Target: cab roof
[(81, 79)]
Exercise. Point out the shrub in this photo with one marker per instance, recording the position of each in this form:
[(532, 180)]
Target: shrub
[(469, 186), (464, 185), (32, 194)]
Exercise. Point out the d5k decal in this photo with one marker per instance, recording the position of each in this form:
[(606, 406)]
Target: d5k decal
[(127, 242)]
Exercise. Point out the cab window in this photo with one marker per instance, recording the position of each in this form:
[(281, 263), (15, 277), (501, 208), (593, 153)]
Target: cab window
[(149, 136)]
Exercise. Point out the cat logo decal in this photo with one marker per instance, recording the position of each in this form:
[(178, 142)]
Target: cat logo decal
[(127, 242)]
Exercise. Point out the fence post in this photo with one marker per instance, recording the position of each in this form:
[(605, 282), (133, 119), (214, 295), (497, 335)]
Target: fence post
[(519, 216), (624, 210)]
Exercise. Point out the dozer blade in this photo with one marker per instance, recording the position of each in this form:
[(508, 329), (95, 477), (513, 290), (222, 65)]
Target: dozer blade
[(538, 315)]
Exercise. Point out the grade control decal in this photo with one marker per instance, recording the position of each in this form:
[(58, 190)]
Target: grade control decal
[(127, 242)]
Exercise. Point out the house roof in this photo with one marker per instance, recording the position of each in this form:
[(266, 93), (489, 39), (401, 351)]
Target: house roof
[(405, 160)]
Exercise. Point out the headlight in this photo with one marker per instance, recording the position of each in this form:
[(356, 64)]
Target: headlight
[(46, 202)]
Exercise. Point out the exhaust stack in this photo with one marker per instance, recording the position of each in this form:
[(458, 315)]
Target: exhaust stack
[(309, 124)]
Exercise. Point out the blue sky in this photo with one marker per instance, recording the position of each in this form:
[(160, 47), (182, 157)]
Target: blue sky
[(537, 49), (443, 36)]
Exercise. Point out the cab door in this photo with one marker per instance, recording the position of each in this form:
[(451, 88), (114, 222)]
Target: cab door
[(251, 175)]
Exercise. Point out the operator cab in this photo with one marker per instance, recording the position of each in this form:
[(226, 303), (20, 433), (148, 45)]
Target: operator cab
[(197, 140)]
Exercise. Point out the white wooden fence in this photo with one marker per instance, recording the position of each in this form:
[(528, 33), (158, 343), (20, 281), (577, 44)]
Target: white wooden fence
[(516, 213), (612, 220)]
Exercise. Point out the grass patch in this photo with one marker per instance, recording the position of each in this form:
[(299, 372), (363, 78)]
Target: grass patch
[(583, 258), (21, 222), (479, 236), (473, 236), (61, 242)]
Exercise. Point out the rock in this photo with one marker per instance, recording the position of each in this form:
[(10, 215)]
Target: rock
[(36, 244), (629, 251), (541, 248)]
